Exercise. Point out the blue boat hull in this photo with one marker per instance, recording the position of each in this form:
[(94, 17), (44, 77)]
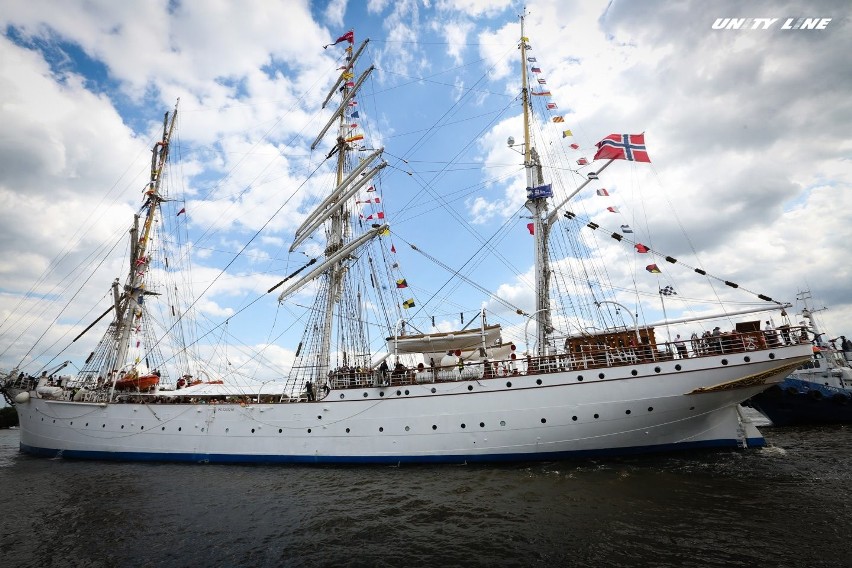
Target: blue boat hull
[(794, 401)]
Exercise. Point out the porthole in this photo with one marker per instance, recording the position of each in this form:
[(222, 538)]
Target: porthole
[(434, 426), (580, 378), (71, 424), (538, 381), (226, 430), (202, 429), (407, 428), (365, 395), (342, 396), (692, 408), (434, 390), (597, 416), (747, 359), (574, 418), (406, 392), (470, 387), (54, 421), (601, 375), (650, 409), (309, 430), (724, 361), (772, 355), (319, 417), (398, 393), (482, 424), (656, 369), (544, 420), (678, 367), (87, 424), (122, 426), (164, 429), (381, 429), (627, 411), (509, 384), (252, 430), (280, 430), (502, 423), (634, 372), (142, 428), (463, 425), (181, 428), (347, 430), (102, 425)]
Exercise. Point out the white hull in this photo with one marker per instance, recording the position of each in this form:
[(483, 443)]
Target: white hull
[(522, 417)]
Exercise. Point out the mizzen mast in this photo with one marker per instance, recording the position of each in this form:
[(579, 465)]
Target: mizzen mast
[(537, 196)]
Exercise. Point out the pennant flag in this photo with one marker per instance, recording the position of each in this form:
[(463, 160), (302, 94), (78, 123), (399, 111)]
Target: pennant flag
[(668, 291), (574, 146), (653, 269), (603, 192), (623, 147), (536, 70), (401, 283), (355, 115), (183, 210), (626, 229), (409, 303), (379, 215), (558, 119), (566, 133), (612, 209), (393, 250), (582, 161), (355, 138), (551, 106), (542, 81), (541, 94), (640, 248), (348, 36), (531, 59), (531, 228), (371, 188)]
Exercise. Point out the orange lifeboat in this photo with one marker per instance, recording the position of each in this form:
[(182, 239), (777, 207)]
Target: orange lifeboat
[(133, 381)]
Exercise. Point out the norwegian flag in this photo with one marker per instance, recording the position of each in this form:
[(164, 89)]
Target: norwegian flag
[(623, 147)]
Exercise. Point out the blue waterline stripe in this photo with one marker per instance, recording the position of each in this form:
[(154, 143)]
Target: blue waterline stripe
[(309, 459)]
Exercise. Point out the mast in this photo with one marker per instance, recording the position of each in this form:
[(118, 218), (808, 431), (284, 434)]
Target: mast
[(129, 304), (537, 195)]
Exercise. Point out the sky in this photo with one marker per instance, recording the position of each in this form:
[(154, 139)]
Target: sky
[(747, 130)]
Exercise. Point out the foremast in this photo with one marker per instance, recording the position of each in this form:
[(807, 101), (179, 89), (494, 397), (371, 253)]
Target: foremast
[(128, 302), (537, 204)]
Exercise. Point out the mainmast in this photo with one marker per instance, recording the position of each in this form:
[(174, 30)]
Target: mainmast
[(537, 195), (128, 302)]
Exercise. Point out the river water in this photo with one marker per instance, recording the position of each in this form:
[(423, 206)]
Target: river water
[(789, 504)]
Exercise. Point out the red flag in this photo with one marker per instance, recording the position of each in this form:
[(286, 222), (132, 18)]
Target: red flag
[(612, 209), (582, 161), (575, 146), (623, 147), (531, 228), (640, 248), (183, 210), (551, 106), (393, 249), (348, 36), (653, 269)]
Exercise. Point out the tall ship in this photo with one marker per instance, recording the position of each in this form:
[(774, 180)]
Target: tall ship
[(578, 373), (820, 390)]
